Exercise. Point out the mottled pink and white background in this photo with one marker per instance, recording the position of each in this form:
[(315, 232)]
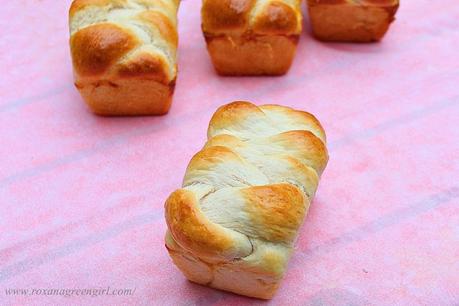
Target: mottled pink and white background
[(81, 197)]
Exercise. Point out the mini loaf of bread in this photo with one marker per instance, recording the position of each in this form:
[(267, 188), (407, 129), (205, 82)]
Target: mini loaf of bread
[(233, 224), (351, 20), (251, 37), (124, 54)]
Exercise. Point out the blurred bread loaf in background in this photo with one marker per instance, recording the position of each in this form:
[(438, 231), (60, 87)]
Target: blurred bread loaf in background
[(350, 20), (251, 37), (124, 54)]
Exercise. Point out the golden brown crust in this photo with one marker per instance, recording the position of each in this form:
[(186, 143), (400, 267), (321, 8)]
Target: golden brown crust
[(263, 55), (233, 112), (305, 146), (346, 20), (124, 64), (238, 113), (251, 37), (164, 25), (126, 97), (225, 15), (276, 18), (144, 66), (194, 232), (96, 48), (244, 197), (278, 208), (298, 117), (210, 156), (291, 166)]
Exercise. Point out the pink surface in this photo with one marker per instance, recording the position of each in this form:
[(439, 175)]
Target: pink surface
[(81, 197)]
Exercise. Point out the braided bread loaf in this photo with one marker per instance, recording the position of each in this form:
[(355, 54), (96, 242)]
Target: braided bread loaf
[(350, 20), (124, 54), (251, 37), (245, 195)]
